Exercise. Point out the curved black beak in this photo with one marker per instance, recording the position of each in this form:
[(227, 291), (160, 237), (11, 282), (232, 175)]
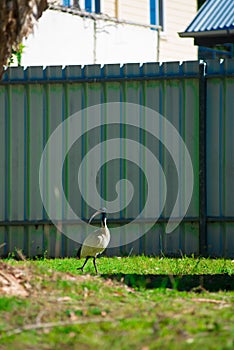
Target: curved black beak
[(99, 211)]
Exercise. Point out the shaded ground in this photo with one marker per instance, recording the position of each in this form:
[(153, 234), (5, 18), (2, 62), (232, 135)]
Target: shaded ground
[(196, 283)]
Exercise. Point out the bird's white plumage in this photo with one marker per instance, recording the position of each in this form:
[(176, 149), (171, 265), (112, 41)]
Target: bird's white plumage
[(95, 243)]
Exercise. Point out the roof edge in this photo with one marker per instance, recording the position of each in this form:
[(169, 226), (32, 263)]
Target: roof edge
[(207, 33)]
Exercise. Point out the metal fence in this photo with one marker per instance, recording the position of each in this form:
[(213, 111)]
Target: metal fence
[(196, 99)]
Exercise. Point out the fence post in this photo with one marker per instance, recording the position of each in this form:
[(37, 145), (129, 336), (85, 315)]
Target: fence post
[(202, 161)]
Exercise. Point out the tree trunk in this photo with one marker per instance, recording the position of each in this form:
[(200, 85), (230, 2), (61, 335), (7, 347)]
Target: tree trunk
[(17, 18)]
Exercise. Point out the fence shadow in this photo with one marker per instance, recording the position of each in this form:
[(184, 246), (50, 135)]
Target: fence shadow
[(196, 283)]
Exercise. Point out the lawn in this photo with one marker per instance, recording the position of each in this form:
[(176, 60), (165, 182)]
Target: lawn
[(134, 303)]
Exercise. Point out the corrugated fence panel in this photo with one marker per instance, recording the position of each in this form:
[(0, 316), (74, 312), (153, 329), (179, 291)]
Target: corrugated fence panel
[(33, 102), (3, 154), (177, 100), (189, 130), (17, 156), (3, 166), (55, 116), (35, 145), (132, 93), (75, 102), (220, 158), (113, 92), (172, 111)]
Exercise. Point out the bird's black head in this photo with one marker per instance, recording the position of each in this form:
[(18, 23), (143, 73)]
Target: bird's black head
[(103, 212)]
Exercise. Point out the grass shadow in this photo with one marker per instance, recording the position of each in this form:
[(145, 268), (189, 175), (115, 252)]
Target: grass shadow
[(196, 283)]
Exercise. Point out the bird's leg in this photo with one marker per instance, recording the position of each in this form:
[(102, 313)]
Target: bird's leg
[(94, 263), (81, 268)]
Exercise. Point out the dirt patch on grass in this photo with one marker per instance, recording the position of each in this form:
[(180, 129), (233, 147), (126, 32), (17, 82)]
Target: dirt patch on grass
[(26, 280), (14, 281)]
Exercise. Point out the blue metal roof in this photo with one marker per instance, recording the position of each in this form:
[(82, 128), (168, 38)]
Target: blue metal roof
[(214, 15)]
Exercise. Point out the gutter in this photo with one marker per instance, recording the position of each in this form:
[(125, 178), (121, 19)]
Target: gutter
[(208, 33)]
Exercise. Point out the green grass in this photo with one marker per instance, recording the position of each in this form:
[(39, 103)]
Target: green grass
[(141, 265), (128, 306)]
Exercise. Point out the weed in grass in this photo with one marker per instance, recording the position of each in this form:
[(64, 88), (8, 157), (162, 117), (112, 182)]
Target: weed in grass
[(8, 303)]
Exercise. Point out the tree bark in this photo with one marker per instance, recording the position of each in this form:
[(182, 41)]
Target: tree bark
[(17, 18)]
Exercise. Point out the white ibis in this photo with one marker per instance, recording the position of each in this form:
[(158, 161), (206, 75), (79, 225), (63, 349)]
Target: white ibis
[(96, 242)]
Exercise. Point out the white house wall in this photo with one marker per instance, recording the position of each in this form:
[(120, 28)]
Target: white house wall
[(119, 44), (62, 38), (66, 39), (109, 6), (135, 10), (177, 16), (59, 39)]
